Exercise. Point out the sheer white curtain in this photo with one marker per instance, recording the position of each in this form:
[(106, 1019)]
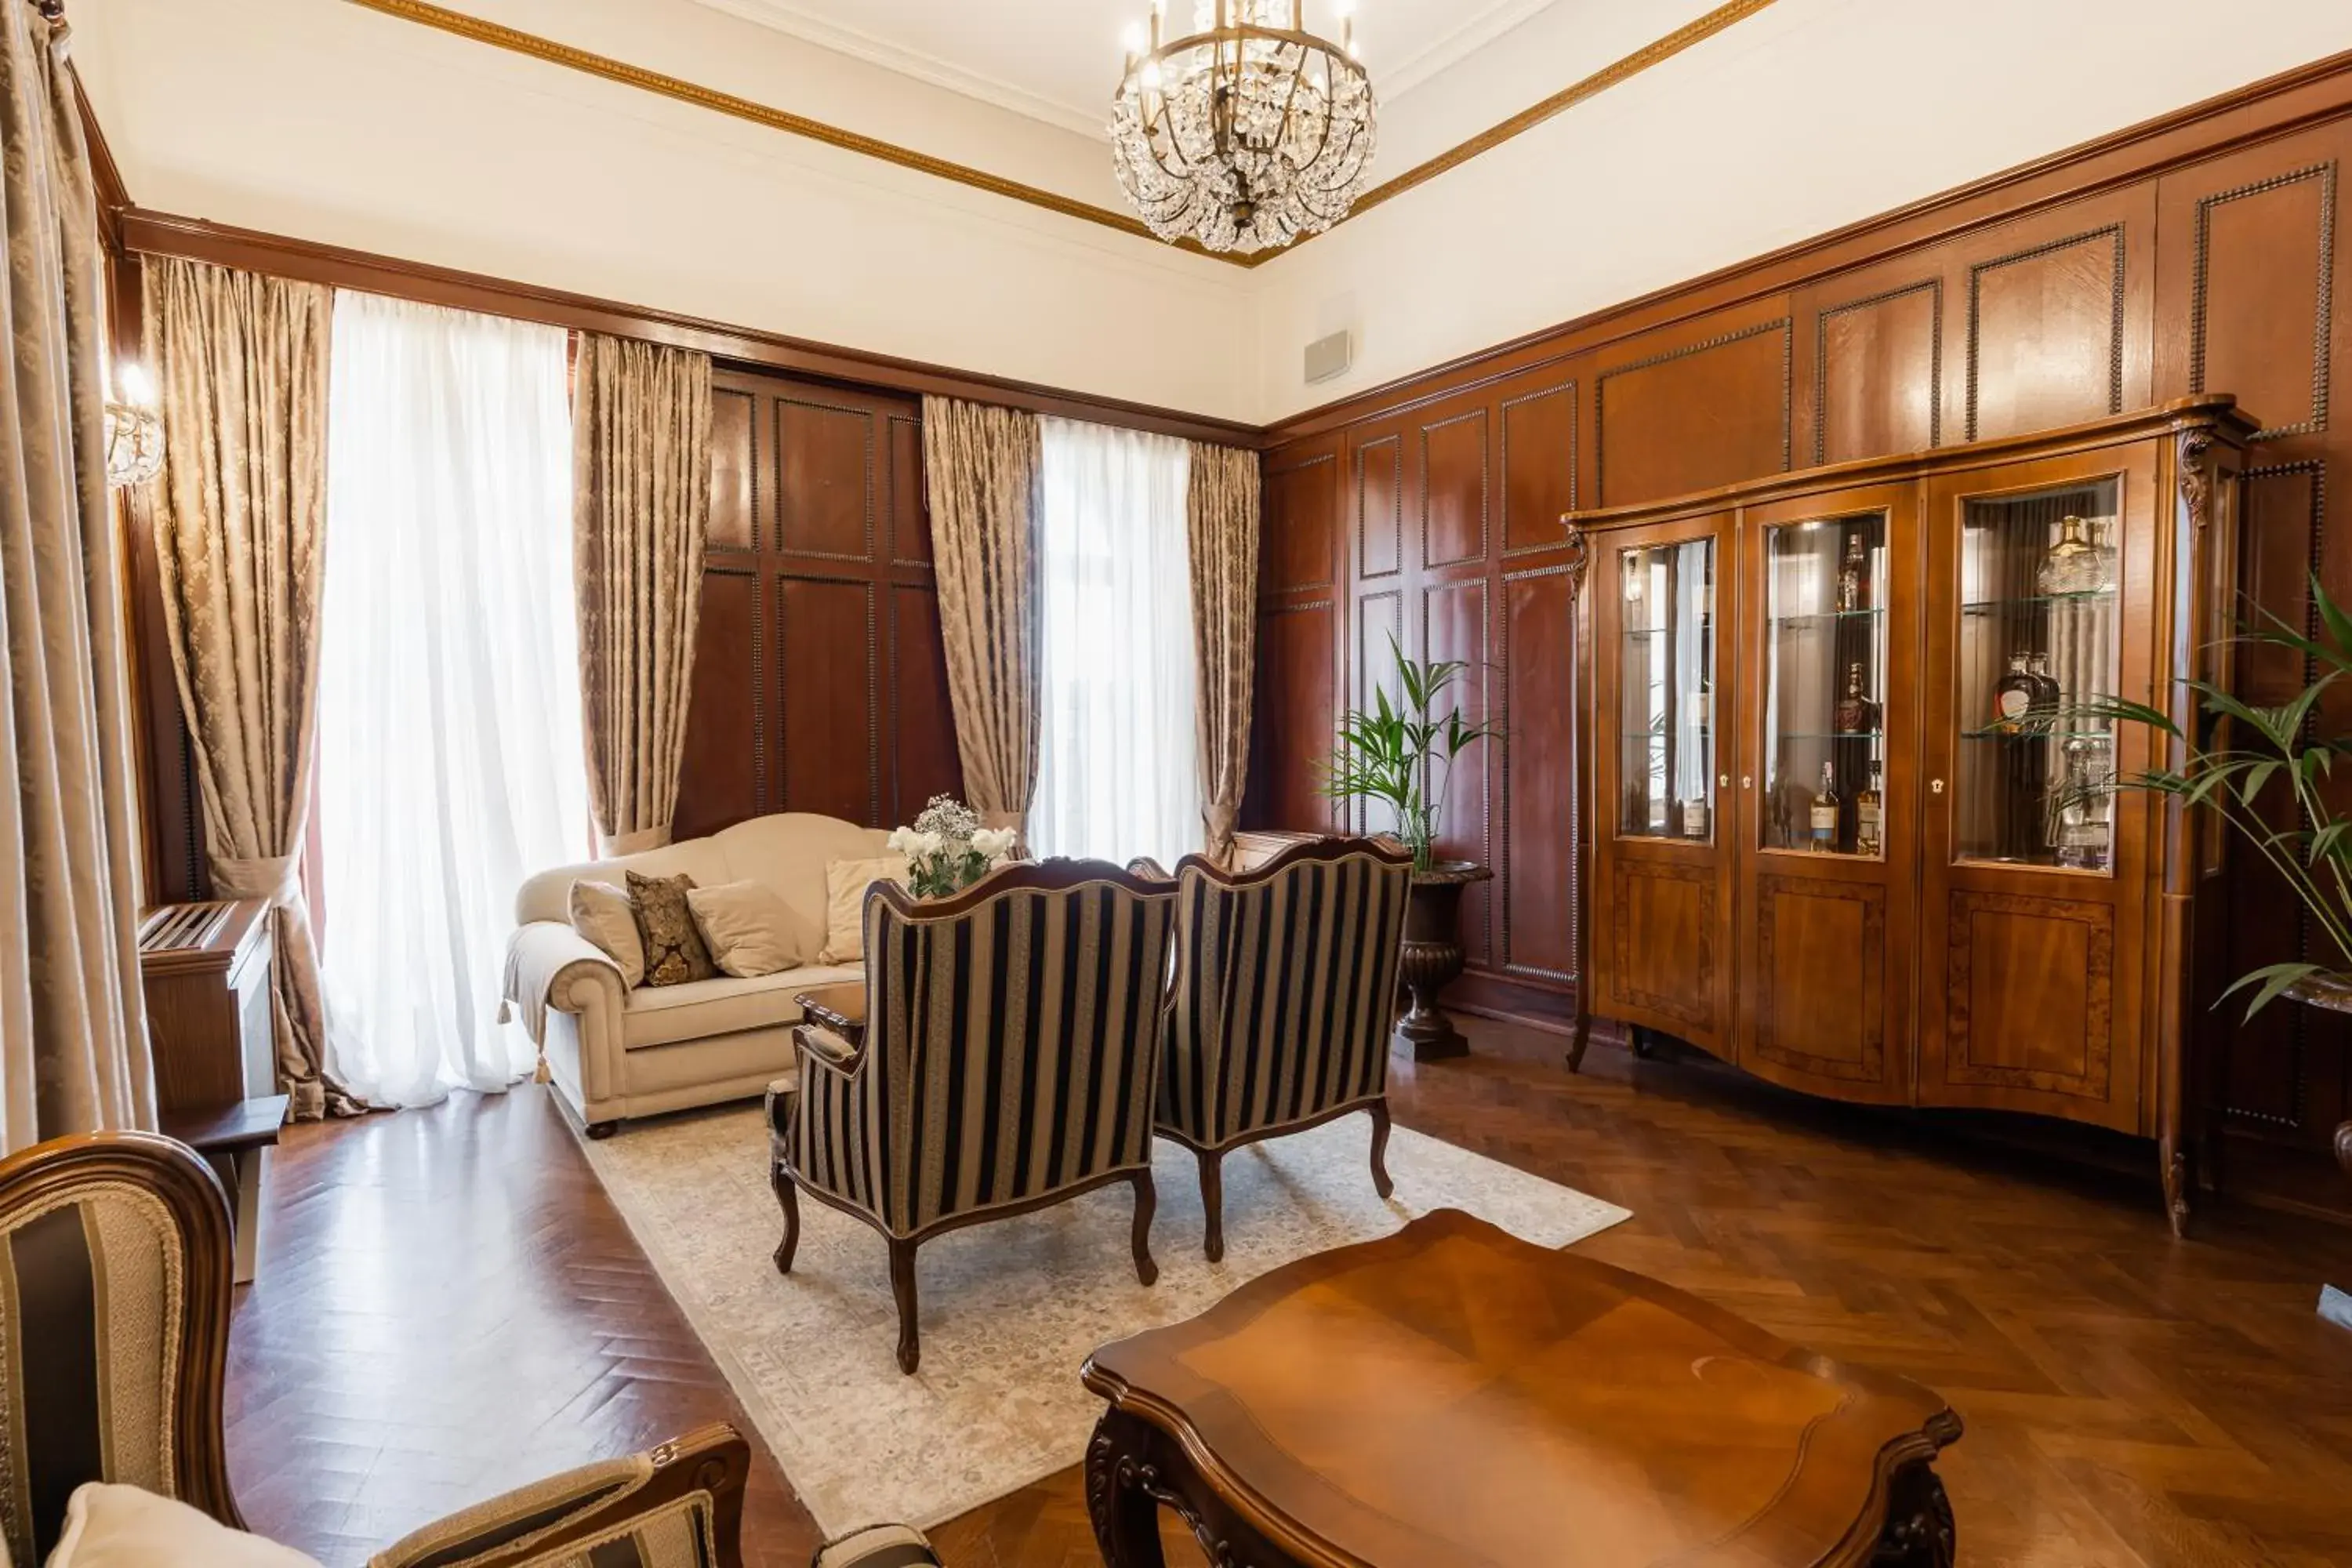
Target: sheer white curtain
[(1119, 771), (450, 760)]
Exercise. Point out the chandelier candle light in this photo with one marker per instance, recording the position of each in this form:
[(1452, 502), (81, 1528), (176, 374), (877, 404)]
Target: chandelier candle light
[(1246, 132)]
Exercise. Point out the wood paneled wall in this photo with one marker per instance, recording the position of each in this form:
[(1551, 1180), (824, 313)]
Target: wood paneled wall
[(820, 683), (2205, 253)]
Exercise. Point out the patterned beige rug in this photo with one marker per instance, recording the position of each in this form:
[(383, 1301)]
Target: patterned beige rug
[(1009, 1310)]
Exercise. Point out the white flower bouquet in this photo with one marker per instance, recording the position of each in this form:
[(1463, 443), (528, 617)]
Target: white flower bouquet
[(947, 850)]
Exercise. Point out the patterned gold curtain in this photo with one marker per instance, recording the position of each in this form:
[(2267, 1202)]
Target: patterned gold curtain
[(240, 516), (981, 466), (1221, 508), (641, 500), (73, 1033)]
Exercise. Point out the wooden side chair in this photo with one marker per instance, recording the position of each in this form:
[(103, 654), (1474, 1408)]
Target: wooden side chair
[(1277, 1016), (115, 1262), (999, 1057)]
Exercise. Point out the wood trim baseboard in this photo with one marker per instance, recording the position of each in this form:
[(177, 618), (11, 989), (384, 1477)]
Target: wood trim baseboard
[(165, 234), (2259, 111)]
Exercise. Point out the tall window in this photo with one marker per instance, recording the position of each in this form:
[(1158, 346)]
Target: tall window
[(449, 739), (1119, 771)]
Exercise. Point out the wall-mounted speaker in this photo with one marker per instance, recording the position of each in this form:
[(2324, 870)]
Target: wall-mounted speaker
[(1327, 357)]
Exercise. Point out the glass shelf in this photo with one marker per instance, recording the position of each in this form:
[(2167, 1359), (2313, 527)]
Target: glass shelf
[(2028, 602), (2034, 734), (1665, 717), (2039, 633), (1825, 598), (1828, 617)]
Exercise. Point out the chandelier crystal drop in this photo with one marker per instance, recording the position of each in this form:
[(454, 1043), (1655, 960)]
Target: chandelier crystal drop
[(134, 430), (1246, 133)]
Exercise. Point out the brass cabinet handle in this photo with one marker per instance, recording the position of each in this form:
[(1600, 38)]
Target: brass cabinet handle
[(1935, 786), (1747, 782), (1723, 781)]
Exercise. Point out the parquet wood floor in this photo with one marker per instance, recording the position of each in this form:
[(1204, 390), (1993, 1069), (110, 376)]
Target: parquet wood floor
[(448, 1305)]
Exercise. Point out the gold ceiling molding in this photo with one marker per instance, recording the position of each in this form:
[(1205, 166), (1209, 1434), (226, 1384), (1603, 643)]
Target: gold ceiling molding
[(516, 41)]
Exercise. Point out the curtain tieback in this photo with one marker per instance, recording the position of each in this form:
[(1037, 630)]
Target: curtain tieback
[(276, 878), (635, 843)]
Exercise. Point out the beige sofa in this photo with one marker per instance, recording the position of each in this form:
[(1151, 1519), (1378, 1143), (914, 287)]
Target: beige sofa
[(616, 1053)]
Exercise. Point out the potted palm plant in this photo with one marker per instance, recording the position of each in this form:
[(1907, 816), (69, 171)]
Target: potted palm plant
[(2246, 751), (1400, 754)]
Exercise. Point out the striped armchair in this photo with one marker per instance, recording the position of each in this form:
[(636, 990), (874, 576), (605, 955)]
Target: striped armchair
[(1278, 1018), (115, 1262), (1000, 1057)]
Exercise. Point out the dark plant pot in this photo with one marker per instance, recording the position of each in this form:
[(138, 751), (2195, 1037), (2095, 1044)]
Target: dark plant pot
[(2331, 995), (1433, 957)]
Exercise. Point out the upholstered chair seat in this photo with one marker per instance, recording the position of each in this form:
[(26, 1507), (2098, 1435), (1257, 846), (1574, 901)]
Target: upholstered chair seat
[(1278, 1013)]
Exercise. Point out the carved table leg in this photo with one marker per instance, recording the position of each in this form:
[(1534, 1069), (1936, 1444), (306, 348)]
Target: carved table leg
[(1126, 1515), (1919, 1530)]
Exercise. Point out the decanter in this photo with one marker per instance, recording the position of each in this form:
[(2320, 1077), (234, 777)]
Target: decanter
[(2077, 564), (2014, 696)]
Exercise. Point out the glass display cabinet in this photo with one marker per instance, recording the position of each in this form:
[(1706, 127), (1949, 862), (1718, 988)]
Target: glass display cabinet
[(1658, 600), (1927, 887)]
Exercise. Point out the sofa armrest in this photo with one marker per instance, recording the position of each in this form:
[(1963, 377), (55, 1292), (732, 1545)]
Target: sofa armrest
[(550, 965), (672, 1504)]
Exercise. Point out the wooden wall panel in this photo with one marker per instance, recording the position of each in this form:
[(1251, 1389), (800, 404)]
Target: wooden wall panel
[(828, 693), (820, 683), (1454, 625), (1302, 510), (1539, 466), (1380, 507), (1454, 489), (1713, 410), (1294, 715), (2055, 316), (1537, 937), (1878, 373)]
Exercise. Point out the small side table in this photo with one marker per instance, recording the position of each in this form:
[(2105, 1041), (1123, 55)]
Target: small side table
[(231, 1139)]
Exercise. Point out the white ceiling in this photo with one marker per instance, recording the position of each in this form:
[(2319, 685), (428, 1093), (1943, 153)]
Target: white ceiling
[(1058, 60)]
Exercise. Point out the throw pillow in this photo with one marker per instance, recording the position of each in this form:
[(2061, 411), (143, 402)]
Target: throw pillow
[(746, 927), (674, 950), (601, 912), (109, 1526), (846, 883)]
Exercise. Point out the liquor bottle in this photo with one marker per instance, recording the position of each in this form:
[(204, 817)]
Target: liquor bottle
[(2047, 696), (2083, 805), (1855, 713), (1695, 817), (1824, 816), (1869, 817), (2013, 696), (1853, 576)]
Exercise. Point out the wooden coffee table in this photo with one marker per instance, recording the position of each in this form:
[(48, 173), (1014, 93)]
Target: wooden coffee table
[(1453, 1395)]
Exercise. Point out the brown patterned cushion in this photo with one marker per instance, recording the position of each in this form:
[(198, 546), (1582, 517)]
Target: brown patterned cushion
[(674, 950)]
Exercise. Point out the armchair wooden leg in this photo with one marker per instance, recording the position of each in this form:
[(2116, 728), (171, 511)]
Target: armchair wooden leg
[(789, 1196), (1213, 1201), (1380, 1183), (902, 1285), (1147, 1203)]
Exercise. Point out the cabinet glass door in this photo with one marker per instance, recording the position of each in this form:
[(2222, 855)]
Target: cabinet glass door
[(2039, 637), (1824, 679), (1665, 690)]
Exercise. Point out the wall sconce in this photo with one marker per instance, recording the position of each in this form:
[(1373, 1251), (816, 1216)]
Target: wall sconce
[(134, 430)]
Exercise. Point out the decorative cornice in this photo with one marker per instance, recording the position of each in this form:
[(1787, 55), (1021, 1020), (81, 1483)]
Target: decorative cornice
[(516, 41)]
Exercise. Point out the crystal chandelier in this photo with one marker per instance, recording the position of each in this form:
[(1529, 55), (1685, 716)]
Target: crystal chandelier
[(135, 431), (1246, 133)]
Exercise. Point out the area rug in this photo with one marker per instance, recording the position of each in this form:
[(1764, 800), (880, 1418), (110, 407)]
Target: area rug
[(1009, 1309)]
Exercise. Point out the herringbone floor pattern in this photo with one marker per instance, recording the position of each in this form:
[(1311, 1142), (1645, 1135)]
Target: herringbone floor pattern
[(450, 1306)]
